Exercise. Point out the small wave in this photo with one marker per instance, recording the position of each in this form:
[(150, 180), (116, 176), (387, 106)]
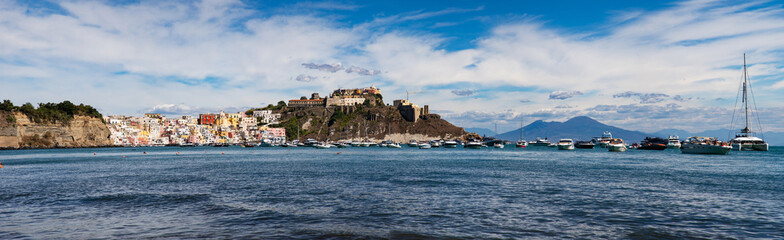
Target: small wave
[(146, 199)]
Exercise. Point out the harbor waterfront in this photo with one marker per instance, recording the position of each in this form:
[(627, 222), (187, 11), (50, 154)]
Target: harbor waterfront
[(306, 193)]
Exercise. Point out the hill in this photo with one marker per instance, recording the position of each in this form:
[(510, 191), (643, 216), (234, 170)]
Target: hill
[(481, 131), (362, 121), (577, 128)]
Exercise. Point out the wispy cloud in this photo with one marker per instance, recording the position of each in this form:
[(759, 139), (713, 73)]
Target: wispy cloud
[(561, 95), (305, 78), (362, 71), (463, 92), (324, 67), (644, 97)]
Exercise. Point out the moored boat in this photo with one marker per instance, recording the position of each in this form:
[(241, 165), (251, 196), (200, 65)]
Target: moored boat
[(653, 143), (540, 142), (584, 145), (705, 145), (521, 143), (603, 140), (424, 146), (473, 144), (450, 144), (413, 143), (565, 144), (673, 142), (322, 145), (616, 145), (745, 139)]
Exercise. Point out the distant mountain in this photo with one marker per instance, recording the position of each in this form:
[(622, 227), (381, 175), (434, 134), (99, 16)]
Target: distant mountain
[(577, 128), (773, 138), (481, 131)]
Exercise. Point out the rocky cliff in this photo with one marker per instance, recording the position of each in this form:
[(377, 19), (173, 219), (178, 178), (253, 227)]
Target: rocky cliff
[(371, 122), (17, 131)]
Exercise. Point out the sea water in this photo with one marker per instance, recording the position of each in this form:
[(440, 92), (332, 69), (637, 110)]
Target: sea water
[(306, 193)]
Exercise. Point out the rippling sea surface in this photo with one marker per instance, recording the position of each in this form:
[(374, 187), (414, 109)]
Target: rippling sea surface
[(307, 193)]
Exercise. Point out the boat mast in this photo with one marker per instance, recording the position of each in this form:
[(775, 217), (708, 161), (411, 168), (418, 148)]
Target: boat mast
[(521, 127), (746, 130)]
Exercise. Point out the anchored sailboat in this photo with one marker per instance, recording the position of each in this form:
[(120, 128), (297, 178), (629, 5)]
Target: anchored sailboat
[(745, 139), (521, 143)]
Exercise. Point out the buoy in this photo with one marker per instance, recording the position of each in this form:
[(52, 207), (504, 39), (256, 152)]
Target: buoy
[(178, 153), (123, 156), (338, 153), (1, 165), (223, 153), (93, 153), (145, 152)]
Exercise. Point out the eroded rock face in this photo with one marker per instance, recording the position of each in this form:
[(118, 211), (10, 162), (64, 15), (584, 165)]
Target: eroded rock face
[(82, 131)]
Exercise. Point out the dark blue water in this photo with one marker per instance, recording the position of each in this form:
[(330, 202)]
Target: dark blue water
[(389, 193)]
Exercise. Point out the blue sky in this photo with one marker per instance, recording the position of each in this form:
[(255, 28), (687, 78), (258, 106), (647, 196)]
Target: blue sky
[(642, 65)]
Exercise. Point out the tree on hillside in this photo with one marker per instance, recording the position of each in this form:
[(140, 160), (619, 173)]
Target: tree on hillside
[(6, 105)]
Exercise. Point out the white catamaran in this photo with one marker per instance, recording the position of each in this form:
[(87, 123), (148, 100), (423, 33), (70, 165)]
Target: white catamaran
[(745, 139)]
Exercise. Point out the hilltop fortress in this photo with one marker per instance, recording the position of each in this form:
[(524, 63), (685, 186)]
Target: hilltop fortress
[(370, 96), (361, 113)]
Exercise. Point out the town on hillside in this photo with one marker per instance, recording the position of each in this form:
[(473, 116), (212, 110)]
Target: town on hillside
[(261, 125)]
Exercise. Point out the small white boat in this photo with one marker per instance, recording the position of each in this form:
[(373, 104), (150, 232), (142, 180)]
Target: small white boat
[(424, 146), (603, 140), (542, 142), (393, 145), (450, 144), (705, 145), (435, 143), (322, 145), (413, 143), (498, 145), (473, 145), (521, 144), (616, 145), (565, 144), (673, 142)]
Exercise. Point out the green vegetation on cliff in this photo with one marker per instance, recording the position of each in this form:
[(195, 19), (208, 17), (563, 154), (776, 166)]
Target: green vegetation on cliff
[(62, 112)]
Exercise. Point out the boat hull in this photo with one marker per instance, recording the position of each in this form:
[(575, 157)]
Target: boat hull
[(616, 148), (565, 147), (673, 146), (652, 147), (472, 146), (705, 149), (750, 147), (450, 146)]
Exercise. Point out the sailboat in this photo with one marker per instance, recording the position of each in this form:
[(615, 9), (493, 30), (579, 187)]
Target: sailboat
[(745, 139), (521, 143)]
